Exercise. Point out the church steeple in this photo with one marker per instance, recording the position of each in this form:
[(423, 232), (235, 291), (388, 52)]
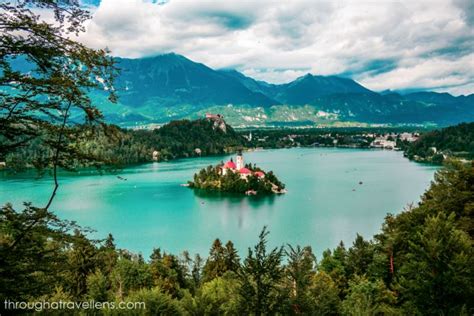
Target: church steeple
[(239, 160)]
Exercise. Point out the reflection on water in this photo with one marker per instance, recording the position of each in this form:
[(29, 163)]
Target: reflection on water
[(235, 198), (234, 203)]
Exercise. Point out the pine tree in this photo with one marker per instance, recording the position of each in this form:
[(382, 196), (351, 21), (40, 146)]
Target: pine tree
[(231, 257), (216, 262), (334, 263), (438, 273), (300, 271), (359, 256), (82, 261), (261, 275), (196, 270)]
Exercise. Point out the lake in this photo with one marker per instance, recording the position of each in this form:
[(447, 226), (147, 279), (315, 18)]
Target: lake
[(325, 202)]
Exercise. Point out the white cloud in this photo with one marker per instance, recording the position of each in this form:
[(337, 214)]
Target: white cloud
[(385, 45), (435, 73)]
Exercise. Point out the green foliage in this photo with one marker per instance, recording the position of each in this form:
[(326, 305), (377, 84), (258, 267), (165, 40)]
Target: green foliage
[(359, 256), (32, 256), (211, 178), (168, 273), (368, 298), (221, 259), (437, 274), (324, 295), (334, 264), (299, 272), (45, 77), (453, 141), (217, 297), (97, 286), (130, 274), (156, 302), (451, 192), (82, 260), (110, 145), (260, 274), (430, 245)]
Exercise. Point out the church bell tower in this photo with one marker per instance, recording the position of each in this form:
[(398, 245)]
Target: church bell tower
[(239, 160)]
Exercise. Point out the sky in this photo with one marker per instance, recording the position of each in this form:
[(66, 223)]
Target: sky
[(396, 45)]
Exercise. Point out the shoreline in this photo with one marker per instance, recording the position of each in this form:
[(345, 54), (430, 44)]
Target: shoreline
[(116, 171)]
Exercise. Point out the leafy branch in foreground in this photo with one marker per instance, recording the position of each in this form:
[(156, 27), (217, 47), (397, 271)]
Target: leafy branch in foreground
[(40, 99)]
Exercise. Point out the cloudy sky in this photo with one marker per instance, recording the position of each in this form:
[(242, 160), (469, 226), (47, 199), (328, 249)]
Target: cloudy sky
[(398, 45)]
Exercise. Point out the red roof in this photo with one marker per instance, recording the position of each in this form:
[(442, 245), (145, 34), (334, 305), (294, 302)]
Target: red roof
[(230, 164), (244, 171), (260, 174)]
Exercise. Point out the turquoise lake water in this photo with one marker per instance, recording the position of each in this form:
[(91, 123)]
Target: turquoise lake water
[(325, 202)]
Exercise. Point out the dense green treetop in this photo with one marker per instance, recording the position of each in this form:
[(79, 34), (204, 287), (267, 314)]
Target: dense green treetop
[(433, 146)]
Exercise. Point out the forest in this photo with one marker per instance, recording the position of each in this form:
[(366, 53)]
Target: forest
[(435, 146), (112, 146), (421, 263)]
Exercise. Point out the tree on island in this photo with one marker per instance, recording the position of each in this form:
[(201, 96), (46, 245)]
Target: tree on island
[(212, 178)]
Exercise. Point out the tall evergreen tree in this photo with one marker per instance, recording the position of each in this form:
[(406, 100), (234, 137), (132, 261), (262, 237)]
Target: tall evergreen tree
[(300, 270), (216, 262), (231, 257), (334, 263), (82, 260), (196, 271), (438, 273), (359, 256), (261, 275)]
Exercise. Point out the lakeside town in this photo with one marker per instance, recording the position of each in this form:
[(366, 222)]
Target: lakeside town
[(387, 141)]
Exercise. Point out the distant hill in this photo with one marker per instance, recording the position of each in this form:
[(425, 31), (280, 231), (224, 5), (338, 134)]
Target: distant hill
[(270, 90), (395, 108), (306, 89), (303, 90), (171, 87)]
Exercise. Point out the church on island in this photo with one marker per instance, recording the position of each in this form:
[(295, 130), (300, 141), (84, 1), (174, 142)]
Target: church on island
[(236, 177), (239, 167)]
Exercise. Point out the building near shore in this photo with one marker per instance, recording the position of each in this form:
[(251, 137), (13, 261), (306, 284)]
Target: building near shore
[(239, 167), (383, 143)]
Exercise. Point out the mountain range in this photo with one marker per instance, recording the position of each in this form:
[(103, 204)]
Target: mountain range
[(166, 87)]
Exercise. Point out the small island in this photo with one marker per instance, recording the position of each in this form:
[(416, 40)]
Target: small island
[(237, 177)]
